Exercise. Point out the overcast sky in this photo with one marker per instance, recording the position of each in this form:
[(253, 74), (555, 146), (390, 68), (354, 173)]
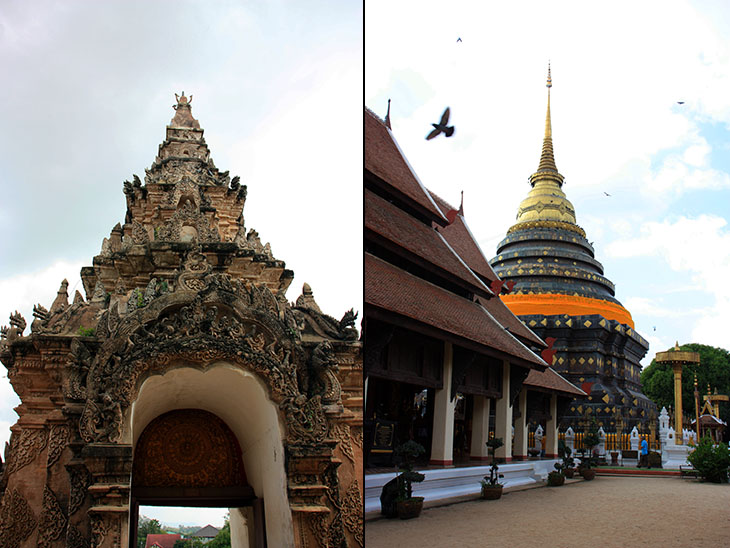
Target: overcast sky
[(87, 90), (619, 71)]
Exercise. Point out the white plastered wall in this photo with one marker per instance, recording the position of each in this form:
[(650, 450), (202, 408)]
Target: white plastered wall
[(241, 400)]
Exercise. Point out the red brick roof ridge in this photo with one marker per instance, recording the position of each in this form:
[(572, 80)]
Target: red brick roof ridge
[(462, 261), (462, 217), (456, 315), (514, 325), (480, 305), (166, 540), (408, 164), (544, 379)]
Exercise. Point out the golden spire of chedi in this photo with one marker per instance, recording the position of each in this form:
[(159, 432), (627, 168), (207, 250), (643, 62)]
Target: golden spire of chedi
[(546, 201)]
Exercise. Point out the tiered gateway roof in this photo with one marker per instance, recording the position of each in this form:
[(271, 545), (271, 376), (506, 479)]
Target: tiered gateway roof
[(560, 291)]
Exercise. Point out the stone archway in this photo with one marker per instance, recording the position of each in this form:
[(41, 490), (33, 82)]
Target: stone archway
[(238, 399)]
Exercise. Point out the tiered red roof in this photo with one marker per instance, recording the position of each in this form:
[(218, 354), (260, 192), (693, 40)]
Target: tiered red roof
[(397, 227), (389, 288), (448, 252), (384, 159)]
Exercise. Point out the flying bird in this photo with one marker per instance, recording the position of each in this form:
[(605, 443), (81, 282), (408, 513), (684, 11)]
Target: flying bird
[(606, 193), (458, 39), (441, 126), (680, 102)]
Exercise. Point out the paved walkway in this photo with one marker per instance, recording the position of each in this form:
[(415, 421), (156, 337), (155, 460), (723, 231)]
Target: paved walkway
[(610, 512)]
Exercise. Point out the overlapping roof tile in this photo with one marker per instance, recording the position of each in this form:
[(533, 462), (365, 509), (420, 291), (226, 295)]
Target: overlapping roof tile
[(554, 382), (392, 289), (384, 158), (392, 223)]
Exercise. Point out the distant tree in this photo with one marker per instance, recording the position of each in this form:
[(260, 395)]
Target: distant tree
[(657, 379), (147, 527), (223, 538)]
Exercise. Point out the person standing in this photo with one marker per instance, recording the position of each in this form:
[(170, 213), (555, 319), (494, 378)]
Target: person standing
[(644, 460)]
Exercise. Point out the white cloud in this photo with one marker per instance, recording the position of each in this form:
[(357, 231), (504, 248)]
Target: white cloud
[(22, 291), (700, 248)]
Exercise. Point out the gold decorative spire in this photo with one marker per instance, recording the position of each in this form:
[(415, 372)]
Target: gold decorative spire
[(547, 158), (546, 201)]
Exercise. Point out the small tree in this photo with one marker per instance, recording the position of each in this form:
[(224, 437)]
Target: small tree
[(493, 479), (409, 451), (711, 461), (590, 440), (223, 538), (147, 527)]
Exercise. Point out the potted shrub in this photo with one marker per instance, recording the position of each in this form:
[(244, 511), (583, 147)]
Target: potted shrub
[(491, 488), (568, 465), (590, 440), (556, 478), (408, 506)]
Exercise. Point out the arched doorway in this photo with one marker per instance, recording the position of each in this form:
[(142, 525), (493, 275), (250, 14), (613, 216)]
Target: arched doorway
[(190, 457)]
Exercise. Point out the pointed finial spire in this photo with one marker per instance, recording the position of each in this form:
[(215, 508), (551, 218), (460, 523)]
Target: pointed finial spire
[(387, 116), (461, 206), (547, 167)]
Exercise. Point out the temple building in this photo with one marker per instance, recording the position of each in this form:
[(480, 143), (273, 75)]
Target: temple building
[(446, 362), (560, 291), (183, 377)]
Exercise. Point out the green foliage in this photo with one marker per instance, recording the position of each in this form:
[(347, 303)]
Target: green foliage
[(87, 331), (657, 380), (556, 478), (147, 527), (223, 538), (590, 440), (711, 461), (493, 478), (410, 451), (564, 452)]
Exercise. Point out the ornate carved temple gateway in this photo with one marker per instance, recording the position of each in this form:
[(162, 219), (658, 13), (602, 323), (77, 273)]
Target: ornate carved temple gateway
[(184, 378)]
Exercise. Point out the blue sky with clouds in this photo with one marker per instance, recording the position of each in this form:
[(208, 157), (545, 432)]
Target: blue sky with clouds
[(619, 71), (87, 91)]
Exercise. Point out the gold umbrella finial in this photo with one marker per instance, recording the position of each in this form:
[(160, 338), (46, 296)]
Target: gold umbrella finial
[(549, 80), (676, 346)]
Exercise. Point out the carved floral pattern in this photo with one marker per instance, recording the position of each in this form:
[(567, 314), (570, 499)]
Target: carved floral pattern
[(352, 511), (341, 432), (80, 479), (58, 439), (17, 521), (74, 538), (53, 520), (24, 447), (188, 448)]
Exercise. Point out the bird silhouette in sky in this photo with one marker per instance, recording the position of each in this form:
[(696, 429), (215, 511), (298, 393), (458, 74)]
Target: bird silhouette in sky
[(458, 39), (441, 126), (606, 193), (680, 102)]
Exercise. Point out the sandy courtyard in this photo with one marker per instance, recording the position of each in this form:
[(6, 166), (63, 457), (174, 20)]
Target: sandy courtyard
[(610, 512)]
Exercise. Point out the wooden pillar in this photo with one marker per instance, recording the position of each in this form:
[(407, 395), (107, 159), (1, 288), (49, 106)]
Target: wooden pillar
[(442, 443), (480, 428), (551, 429), (503, 417), (520, 448)]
